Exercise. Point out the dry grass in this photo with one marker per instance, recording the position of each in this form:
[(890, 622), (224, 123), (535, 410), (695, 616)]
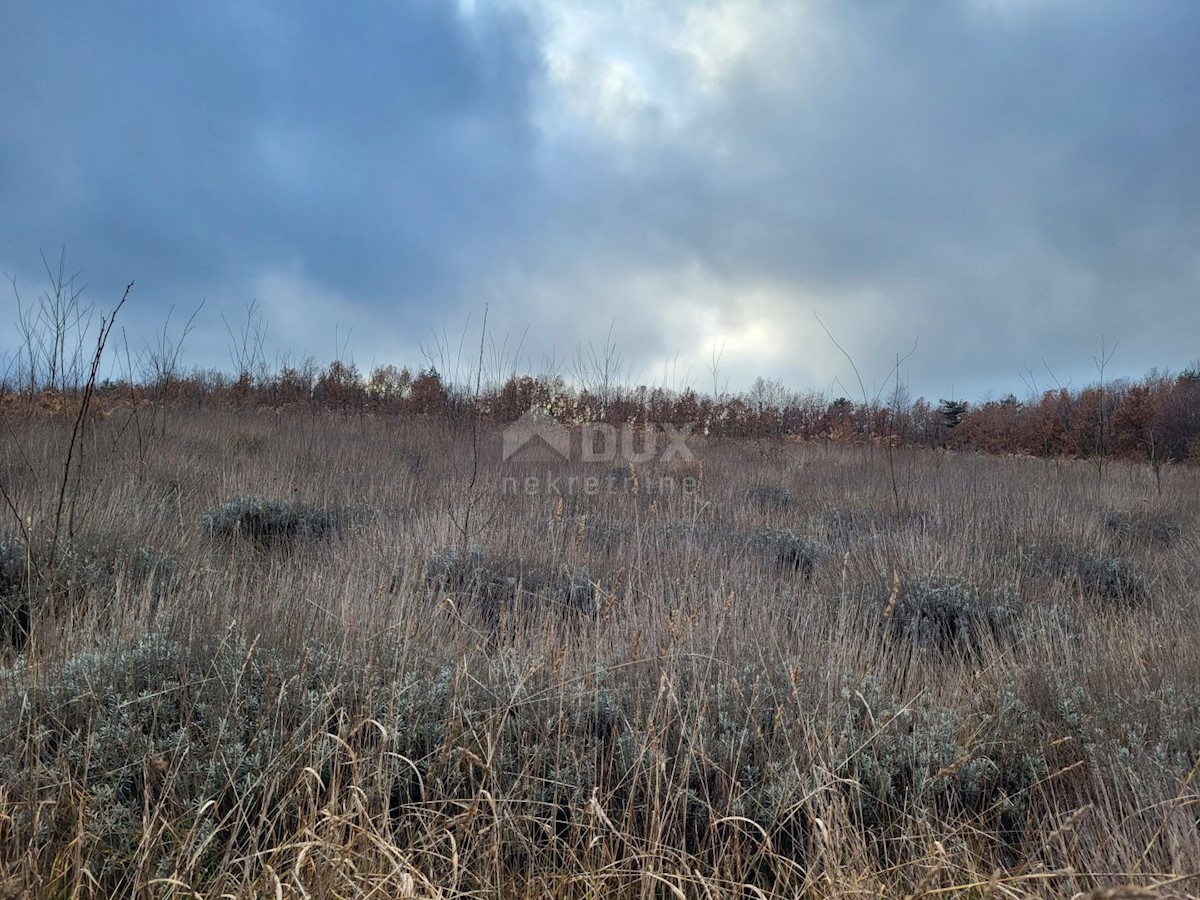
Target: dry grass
[(780, 684)]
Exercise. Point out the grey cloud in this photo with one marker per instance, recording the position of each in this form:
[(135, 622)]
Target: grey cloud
[(1005, 180), (1008, 187), (194, 146)]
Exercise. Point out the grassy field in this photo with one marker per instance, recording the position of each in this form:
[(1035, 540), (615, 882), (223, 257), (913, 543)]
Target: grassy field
[(311, 655)]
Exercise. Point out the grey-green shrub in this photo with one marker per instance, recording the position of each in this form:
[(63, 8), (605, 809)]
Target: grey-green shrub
[(920, 756), (267, 522), (768, 496), (1142, 527), (494, 584), (216, 734), (15, 601), (37, 581), (787, 550), (948, 616), (1113, 580), (843, 526)]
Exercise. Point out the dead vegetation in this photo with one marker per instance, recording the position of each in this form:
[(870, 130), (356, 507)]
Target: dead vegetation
[(776, 683)]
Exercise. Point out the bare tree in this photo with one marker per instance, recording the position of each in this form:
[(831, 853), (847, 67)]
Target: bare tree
[(163, 357), (64, 497), (53, 331), (466, 498), (601, 372), (1101, 424), (898, 393), (246, 347)]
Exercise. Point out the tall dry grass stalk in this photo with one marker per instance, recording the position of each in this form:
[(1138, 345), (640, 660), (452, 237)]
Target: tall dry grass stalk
[(781, 684)]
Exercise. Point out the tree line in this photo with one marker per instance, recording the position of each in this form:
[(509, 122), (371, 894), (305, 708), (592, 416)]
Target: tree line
[(1155, 419)]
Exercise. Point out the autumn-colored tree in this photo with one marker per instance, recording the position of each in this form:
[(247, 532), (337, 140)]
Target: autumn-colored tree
[(1182, 415), (428, 394), (388, 385), (1048, 425), (1137, 423), (340, 386), (660, 406), (293, 384), (514, 398), (994, 426), (690, 407)]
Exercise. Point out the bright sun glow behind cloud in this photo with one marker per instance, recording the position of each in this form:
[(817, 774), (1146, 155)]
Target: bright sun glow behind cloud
[(628, 68)]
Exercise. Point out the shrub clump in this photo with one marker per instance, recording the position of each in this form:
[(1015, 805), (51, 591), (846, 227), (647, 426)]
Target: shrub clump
[(496, 585), (78, 573), (619, 478), (267, 522), (768, 496), (693, 537), (917, 760), (607, 537), (949, 616), (1142, 527), (14, 594), (626, 479), (154, 724), (850, 526), (1110, 579), (789, 551)]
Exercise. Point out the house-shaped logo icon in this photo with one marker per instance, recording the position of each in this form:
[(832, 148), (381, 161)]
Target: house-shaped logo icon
[(536, 437)]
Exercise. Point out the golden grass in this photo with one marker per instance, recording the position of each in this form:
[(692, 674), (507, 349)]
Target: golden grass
[(325, 718)]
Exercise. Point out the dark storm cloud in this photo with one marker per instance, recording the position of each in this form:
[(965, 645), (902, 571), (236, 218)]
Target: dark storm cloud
[(953, 133), (1006, 180), (192, 146)]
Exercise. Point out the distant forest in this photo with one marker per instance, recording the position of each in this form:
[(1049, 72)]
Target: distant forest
[(1155, 419)]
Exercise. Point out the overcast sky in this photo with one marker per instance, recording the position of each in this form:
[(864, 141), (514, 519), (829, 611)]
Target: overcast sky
[(1004, 181)]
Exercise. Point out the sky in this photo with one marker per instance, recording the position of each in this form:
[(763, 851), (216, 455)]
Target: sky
[(1008, 185)]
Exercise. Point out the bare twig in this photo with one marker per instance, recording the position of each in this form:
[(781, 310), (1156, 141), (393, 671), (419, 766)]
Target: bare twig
[(84, 404)]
